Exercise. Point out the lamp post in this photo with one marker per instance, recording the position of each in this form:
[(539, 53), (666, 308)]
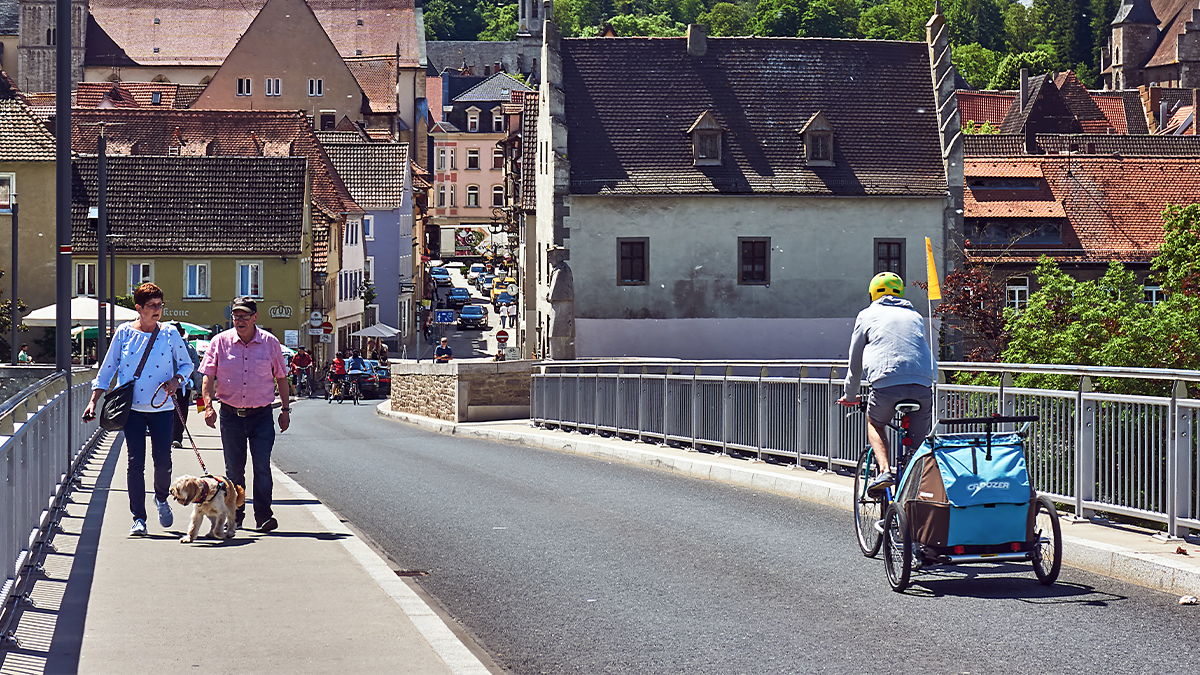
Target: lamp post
[(316, 290)]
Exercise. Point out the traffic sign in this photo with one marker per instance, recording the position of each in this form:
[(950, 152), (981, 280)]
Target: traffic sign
[(316, 331), (502, 336), (443, 316), (328, 339), (512, 353), (327, 328)]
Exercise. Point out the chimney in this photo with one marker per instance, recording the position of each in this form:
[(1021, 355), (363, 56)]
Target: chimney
[(1024, 92), (495, 67), (1164, 115), (547, 10), (697, 41)]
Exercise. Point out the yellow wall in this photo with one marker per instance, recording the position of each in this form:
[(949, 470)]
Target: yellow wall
[(35, 195)]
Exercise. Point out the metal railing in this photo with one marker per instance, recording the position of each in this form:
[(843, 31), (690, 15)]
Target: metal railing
[(38, 465), (1131, 455)]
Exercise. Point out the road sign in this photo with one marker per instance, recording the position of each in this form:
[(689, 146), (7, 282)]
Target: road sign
[(327, 328), (316, 331), (315, 319), (328, 339), (512, 353), (502, 336), (443, 316)]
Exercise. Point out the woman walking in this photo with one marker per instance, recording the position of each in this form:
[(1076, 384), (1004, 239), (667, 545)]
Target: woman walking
[(167, 366)]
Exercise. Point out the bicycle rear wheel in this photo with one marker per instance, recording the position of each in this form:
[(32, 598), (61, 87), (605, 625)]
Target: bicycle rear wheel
[(868, 510), (897, 553), (355, 393)]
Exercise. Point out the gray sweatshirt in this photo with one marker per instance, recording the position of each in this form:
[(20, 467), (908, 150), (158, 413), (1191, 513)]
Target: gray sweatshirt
[(888, 347)]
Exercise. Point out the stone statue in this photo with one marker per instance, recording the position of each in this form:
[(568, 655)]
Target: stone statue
[(562, 305)]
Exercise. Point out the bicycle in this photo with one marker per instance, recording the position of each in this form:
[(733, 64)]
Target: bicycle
[(303, 384), (870, 509), (355, 391), (334, 389)]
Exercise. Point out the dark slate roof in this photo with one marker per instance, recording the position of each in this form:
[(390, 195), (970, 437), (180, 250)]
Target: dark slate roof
[(443, 54), (23, 138), (194, 205), (1135, 11), (993, 145), (1045, 110), (1118, 144), (529, 154), (627, 128), (10, 13), (498, 87), (374, 172)]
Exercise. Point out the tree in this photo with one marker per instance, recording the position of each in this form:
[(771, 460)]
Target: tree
[(976, 63), (976, 22), (779, 18), (831, 18), (972, 308), (452, 20), (1008, 73), (1100, 16), (726, 19), (1021, 30), (887, 21), (1065, 25), (657, 25), (501, 22), (1176, 320)]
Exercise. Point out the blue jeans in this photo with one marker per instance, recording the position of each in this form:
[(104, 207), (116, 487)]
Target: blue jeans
[(159, 424), (258, 432)]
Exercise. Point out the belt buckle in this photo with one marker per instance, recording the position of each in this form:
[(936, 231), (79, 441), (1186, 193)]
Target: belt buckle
[(242, 412)]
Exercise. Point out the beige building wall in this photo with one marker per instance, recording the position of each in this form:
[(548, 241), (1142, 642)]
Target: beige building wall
[(8, 57), (173, 74), (34, 185), (285, 43)]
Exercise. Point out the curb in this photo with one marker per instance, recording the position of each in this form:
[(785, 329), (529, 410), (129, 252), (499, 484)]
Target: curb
[(1118, 562)]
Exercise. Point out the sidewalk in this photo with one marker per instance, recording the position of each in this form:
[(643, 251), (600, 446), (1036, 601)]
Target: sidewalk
[(311, 597), (1119, 551)]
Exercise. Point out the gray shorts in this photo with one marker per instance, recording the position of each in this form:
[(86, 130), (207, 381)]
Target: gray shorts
[(881, 406)]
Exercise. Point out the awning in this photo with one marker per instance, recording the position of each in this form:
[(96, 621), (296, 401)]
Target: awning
[(379, 330), (83, 313)]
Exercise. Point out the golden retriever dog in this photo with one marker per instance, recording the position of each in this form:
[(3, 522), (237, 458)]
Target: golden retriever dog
[(213, 496)]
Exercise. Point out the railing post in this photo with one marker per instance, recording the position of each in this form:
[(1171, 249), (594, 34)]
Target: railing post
[(666, 405), (1007, 401), (578, 398), (726, 410), (760, 431), (695, 404), (802, 413), (620, 398), (941, 403), (643, 412), (1178, 463), (835, 427), (1085, 449)]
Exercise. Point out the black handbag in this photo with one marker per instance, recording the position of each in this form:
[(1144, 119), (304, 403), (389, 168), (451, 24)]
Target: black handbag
[(118, 401)]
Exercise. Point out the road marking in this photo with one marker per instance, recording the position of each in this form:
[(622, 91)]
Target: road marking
[(435, 631)]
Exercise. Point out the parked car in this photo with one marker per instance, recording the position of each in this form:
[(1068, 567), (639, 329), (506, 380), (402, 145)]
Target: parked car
[(458, 297), (474, 272), (501, 298), (441, 275), (473, 316), (379, 383)]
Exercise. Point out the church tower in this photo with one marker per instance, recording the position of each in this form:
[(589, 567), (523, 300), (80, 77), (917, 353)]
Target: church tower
[(37, 44), (1134, 39)]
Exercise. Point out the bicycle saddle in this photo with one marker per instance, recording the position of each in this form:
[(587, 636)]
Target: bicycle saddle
[(907, 406)]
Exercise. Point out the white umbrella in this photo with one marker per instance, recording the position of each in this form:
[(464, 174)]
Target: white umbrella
[(379, 330), (83, 312), (287, 351)]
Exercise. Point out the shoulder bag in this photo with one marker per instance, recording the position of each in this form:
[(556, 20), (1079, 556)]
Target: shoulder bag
[(118, 401)]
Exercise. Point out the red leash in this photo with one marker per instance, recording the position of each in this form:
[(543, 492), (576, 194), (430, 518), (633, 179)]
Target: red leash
[(183, 422)]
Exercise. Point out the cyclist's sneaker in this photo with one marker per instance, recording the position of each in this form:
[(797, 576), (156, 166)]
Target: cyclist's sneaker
[(881, 482)]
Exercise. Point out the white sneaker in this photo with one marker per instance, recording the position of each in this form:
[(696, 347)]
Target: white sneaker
[(165, 517), (138, 529)]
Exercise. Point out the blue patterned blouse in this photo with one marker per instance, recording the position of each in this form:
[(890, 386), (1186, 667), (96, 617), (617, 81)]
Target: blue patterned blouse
[(168, 357)]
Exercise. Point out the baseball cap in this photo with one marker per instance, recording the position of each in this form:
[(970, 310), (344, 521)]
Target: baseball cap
[(243, 302)]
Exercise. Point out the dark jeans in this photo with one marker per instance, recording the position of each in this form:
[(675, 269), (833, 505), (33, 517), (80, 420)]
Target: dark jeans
[(258, 432), (159, 424), (177, 433)]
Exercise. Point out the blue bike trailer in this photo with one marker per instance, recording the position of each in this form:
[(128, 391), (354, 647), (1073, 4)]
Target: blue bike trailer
[(969, 489)]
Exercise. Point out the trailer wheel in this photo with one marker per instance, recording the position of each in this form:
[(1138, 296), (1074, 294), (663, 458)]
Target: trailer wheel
[(1047, 551)]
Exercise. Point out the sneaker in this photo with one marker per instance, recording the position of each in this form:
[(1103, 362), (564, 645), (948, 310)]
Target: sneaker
[(138, 529), (165, 517), (881, 482), (270, 525), (176, 444)]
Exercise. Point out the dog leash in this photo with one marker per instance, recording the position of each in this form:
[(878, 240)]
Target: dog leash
[(183, 423)]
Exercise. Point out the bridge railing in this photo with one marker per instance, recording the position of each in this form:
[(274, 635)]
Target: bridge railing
[(43, 441), (1131, 455)]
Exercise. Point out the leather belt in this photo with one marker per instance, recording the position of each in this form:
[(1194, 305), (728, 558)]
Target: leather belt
[(243, 412)]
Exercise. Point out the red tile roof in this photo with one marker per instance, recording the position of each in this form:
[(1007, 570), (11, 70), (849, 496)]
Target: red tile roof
[(1013, 209), (984, 106), (1113, 107), (1178, 119), (171, 95), (1173, 16), (377, 75), (1001, 169)]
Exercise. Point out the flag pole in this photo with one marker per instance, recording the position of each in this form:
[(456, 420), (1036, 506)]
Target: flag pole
[(935, 289)]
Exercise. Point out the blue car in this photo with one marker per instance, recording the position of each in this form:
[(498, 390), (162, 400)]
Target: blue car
[(458, 297), (473, 316), (440, 275)]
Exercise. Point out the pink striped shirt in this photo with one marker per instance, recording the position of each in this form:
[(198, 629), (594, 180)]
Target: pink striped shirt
[(245, 373)]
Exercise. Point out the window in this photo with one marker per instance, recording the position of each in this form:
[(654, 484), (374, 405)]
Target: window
[(453, 161), (1018, 293), (140, 272), (441, 161), (472, 158), (453, 196), (754, 260), (8, 184), (633, 255), (1153, 295), (273, 88), (156, 98), (85, 280), (195, 280), (818, 140), (441, 202), (350, 234), (369, 269), (243, 86), (51, 36), (472, 119), (497, 195), (249, 279), (368, 228), (328, 121), (472, 195), (889, 256), (820, 147), (497, 120), (707, 148), (316, 87), (498, 158)]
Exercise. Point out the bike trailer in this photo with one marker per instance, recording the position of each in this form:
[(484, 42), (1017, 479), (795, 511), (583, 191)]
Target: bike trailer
[(969, 489)]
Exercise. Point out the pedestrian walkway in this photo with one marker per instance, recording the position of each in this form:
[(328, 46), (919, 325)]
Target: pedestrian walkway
[(1127, 553), (310, 597)]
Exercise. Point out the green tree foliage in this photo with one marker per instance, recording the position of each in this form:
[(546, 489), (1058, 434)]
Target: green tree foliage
[(452, 20), (656, 25), (726, 19), (1176, 325), (976, 63), (502, 21), (1008, 73), (969, 127), (976, 22), (779, 18), (887, 21), (1066, 26), (1021, 30)]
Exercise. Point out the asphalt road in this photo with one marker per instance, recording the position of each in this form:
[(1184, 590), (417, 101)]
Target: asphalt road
[(563, 564)]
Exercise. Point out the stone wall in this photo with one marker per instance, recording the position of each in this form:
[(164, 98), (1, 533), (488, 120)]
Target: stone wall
[(464, 391)]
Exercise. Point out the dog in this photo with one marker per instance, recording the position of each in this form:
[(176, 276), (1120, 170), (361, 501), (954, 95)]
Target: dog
[(214, 496)]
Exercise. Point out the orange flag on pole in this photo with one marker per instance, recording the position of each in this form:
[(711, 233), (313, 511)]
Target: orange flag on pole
[(935, 289)]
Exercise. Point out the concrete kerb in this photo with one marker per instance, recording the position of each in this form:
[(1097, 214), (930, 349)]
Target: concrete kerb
[(1127, 560)]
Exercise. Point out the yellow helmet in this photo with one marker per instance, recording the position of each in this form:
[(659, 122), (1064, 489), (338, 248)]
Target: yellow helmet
[(886, 283)]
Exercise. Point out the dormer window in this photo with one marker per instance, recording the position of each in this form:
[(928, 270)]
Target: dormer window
[(473, 118), (706, 134), (818, 141)]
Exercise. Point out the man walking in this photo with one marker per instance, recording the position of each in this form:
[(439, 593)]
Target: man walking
[(242, 369)]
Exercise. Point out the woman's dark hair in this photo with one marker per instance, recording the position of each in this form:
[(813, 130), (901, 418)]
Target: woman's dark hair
[(146, 292)]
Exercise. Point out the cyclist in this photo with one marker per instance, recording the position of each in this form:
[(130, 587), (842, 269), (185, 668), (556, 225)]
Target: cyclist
[(337, 373), (356, 368), (888, 349), (301, 363)]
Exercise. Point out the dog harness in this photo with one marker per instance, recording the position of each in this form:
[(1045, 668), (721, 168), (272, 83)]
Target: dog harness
[(208, 490)]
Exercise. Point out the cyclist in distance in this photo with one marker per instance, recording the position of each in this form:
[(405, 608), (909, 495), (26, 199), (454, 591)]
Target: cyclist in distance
[(337, 371), (888, 350), (301, 363), (356, 369)]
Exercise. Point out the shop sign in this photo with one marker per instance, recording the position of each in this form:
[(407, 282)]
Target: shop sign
[(280, 312)]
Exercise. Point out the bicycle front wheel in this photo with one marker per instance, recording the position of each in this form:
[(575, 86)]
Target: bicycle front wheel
[(868, 509)]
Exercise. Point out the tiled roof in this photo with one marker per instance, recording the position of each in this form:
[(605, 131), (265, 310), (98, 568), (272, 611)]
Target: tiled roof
[(974, 208), (171, 95), (498, 87), (377, 76), (1081, 104), (181, 205), (1173, 16), (203, 32), (1113, 206), (993, 145), (10, 13), (626, 127), (1125, 145), (1001, 169), (452, 54), (1180, 123), (322, 226), (421, 179), (1046, 111), (984, 106), (529, 154), (277, 133), (327, 137), (1113, 107), (379, 135), (23, 137), (374, 172)]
